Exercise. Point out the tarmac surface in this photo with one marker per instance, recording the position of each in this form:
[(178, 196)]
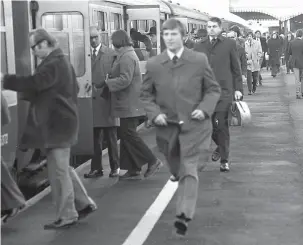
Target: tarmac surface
[(259, 202)]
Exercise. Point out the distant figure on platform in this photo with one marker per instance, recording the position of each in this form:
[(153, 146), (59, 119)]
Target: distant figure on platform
[(254, 54), (263, 43), (242, 55), (274, 52), (296, 52), (53, 124), (193, 100), (289, 38), (223, 58)]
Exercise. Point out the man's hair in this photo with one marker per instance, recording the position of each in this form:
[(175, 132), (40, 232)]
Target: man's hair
[(41, 34), (217, 20), (236, 29), (258, 32), (202, 33), (299, 33), (250, 33), (172, 24)]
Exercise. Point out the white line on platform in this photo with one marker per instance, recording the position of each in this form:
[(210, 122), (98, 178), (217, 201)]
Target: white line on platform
[(141, 232)]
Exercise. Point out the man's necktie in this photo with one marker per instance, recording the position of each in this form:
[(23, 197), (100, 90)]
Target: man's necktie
[(175, 59), (95, 53), (213, 41)]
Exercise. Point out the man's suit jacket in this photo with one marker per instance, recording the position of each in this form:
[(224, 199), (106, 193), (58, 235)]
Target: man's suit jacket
[(224, 60), (102, 105), (177, 90), (296, 52)]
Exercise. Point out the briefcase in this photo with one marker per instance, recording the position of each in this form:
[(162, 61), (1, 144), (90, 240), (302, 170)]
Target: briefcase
[(239, 114)]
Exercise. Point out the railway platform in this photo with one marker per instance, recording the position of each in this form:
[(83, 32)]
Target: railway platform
[(260, 201)]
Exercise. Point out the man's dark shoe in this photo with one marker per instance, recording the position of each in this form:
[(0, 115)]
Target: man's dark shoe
[(60, 224), (152, 169), (224, 167), (216, 155), (86, 211), (181, 227), (93, 174), (174, 178), (131, 176), (114, 173)]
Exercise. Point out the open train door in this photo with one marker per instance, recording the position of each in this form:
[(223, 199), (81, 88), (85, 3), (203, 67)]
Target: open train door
[(141, 18), (68, 22)]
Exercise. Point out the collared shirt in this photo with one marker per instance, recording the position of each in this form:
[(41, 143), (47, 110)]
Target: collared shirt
[(212, 38), (97, 49), (171, 55)]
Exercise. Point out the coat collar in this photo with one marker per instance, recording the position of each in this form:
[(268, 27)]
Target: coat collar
[(124, 50), (219, 38), (166, 61), (55, 53)]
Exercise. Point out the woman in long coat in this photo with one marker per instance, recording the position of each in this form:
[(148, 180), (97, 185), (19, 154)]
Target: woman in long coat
[(12, 200), (124, 84), (274, 51)]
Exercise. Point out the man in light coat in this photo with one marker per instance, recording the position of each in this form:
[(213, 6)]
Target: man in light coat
[(187, 77), (52, 125), (105, 124), (254, 54)]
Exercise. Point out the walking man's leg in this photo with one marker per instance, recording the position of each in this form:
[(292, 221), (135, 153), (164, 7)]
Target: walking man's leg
[(61, 187)]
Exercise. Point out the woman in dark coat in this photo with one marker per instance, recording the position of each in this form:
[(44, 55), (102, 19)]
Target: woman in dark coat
[(274, 51), (12, 200), (125, 83)]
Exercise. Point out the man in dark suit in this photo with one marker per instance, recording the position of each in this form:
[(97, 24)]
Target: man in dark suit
[(263, 43), (105, 125), (296, 52), (188, 78), (223, 58)]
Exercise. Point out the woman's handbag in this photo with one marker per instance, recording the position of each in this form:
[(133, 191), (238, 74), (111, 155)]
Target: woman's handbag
[(239, 114)]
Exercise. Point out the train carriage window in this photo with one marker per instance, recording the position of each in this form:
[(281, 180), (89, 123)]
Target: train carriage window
[(68, 29), (134, 24), (4, 68), (2, 14), (101, 19), (115, 21), (144, 38)]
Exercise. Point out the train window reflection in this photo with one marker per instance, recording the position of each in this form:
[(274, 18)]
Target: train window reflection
[(68, 29), (4, 68), (144, 38), (115, 21), (101, 21), (2, 14)]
